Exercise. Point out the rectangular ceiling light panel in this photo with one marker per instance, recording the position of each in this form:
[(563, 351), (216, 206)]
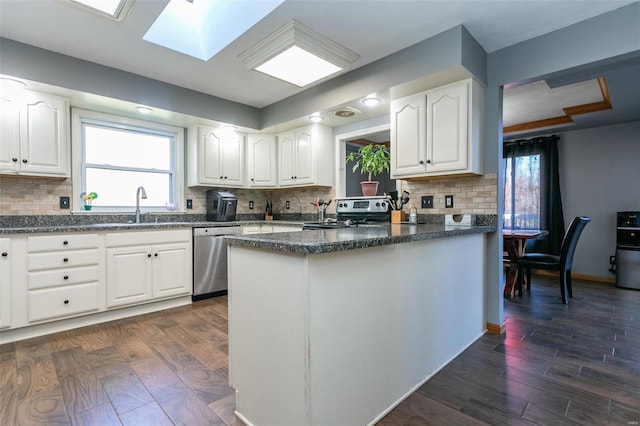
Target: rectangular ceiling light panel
[(202, 28), (297, 66), (298, 55)]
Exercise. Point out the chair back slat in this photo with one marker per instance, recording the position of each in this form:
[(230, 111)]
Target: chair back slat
[(570, 241)]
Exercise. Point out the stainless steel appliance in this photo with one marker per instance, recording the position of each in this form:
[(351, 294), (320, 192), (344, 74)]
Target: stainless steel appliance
[(370, 209), (210, 260), (628, 250), (221, 206), (356, 211)]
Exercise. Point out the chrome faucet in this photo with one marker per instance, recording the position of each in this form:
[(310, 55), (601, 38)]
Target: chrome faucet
[(140, 192)]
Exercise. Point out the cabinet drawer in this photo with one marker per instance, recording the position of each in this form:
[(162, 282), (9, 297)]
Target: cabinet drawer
[(121, 239), (62, 259), (65, 276), (61, 242), (56, 302)]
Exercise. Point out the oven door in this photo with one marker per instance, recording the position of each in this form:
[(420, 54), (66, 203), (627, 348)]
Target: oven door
[(628, 267)]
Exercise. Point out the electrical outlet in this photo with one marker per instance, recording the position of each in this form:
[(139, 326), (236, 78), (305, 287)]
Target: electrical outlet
[(427, 201), (612, 260), (287, 205), (448, 201), (250, 205), (189, 203), (64, 202)]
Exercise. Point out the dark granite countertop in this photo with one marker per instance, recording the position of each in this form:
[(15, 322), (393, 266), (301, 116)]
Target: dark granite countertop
[(333, 240), (95, 227)]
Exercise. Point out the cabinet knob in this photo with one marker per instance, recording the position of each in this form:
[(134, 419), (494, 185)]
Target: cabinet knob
[(14, 159), (156, 254), (252, 179), (5, 254), (225, 177), (66, 277), (149, 255), (24, 160), (421, 162), (66, 259), (221, 177), (428, 161), (66, 301), (65, 242)]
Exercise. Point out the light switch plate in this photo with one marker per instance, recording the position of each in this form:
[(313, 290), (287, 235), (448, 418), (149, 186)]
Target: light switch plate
[(64, 203), (448, 201)]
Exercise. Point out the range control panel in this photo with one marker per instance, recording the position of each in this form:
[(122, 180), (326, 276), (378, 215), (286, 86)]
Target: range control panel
[(362, 205)]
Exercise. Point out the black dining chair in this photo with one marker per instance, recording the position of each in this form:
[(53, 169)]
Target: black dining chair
[(561, 263)]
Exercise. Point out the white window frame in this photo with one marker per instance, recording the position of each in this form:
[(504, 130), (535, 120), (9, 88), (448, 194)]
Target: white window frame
[(78, 116)]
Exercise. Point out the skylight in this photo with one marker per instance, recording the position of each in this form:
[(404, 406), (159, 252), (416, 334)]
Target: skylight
[(116, 9), (202, 28)]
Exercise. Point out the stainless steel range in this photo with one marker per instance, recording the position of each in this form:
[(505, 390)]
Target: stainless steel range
[(356, 211), (370, 209)]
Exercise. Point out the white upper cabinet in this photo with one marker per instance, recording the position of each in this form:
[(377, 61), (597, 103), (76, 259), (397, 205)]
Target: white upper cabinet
[(34, 135), (438, 132), (215, 157), (261, 161), (306, 157), (408, 137)]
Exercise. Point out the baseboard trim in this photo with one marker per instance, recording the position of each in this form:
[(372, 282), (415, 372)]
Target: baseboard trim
[(496, 329), (586, 277)]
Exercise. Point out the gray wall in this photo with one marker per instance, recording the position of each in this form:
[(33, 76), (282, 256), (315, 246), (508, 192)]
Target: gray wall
[(599, 176)]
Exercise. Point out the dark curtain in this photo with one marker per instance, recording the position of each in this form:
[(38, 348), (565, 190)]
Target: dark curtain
[(551, 215)]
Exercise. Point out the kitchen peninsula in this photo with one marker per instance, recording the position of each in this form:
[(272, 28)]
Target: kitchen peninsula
[(338, 326)]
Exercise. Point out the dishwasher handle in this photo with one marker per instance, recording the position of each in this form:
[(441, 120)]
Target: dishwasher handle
[(217, 231)]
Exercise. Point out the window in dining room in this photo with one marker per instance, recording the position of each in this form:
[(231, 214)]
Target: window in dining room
[(532, 189), (522, 192)]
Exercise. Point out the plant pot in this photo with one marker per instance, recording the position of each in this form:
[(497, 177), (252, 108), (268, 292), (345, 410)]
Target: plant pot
[(369, 188), (87, 206)]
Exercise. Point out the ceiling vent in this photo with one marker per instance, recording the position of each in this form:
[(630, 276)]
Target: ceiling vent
[(345, 112)]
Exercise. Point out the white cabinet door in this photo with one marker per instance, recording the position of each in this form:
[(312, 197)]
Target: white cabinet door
[(9, 136), (304, 157), (44, 138), (261, 161), (129, 275), (34, 135), (408, 135), (5, 282), (232, 159), (171, 270), (288, 162), (209, 157), (447, 131)]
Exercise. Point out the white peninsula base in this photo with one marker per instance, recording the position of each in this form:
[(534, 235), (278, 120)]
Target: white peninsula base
[(341, 338)]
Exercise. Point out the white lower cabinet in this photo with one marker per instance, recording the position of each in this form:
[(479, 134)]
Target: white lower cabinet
[(63, 276), (5, 282), (142, 266)]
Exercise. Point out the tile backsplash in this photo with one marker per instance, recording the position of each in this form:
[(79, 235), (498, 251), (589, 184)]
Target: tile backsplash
[(471, 194)]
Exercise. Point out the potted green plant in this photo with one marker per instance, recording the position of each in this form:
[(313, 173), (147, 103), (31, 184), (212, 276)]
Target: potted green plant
[(372, 160)]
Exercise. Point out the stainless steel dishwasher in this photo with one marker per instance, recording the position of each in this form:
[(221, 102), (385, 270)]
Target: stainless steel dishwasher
[(210, 261)]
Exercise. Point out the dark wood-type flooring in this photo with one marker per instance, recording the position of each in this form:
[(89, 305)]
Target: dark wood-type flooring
[(557, 365)]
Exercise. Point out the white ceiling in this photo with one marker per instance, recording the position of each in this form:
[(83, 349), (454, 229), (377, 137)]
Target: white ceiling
[(372, 29)]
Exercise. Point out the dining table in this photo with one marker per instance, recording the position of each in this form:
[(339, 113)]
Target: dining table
[(514, 241)]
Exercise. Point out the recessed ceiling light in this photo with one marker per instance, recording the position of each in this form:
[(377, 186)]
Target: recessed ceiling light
[(203, 28), (371, 102), (144, 110), (114, 9), (316, 118), (298, 55)]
